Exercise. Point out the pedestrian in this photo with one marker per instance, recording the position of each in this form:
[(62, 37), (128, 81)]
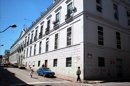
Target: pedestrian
[(78, 72), (31, 72)]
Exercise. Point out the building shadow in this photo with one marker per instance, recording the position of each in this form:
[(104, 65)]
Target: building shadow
[(9, 79), (117, 80)]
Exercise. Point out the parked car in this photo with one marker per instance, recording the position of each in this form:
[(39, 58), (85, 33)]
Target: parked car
[(45, 72)]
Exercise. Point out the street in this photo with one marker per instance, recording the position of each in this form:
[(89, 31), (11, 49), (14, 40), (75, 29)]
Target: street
[(20, 77)]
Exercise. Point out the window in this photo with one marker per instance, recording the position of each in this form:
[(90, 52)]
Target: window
[(35, 38), (31, 38), (47, 44), (128, 15), (39, 63), (57, 20), (40, 47), (25, 41), (48, 24), (48, 27), (69, 10), (33, 63), (118, 40), (68, 62), (69, 36), (58, 17), (101, 62), (24, 53), (100, 36), (35, 49), (27, 53), (115, 7), (55, 63), (28, 39), (129, 21), (99, 5), (56, 41), (30, 51), (41, 31)]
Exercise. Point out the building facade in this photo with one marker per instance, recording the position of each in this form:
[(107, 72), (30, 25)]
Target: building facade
[(92, 34)]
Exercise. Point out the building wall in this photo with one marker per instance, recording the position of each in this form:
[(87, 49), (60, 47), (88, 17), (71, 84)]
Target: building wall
[(109, 51), (74, 50), (13, 55)]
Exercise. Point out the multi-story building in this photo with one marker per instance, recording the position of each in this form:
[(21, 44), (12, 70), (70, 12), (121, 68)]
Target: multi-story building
[(92, 34)]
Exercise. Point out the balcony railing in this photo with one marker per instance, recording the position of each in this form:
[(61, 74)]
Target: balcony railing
[(35, 38), (47, 30), (68, 17), (40, 35), (56, 24)]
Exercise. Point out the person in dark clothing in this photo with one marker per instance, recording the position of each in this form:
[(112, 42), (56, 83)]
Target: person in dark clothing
[(78, 72), (31, 72)]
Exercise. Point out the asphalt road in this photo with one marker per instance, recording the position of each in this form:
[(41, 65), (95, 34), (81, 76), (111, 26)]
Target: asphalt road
[(20, 77)]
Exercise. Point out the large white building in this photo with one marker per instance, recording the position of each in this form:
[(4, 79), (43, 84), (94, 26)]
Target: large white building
[(92, 34)]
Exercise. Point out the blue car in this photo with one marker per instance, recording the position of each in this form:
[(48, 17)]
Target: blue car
[(45, 72)]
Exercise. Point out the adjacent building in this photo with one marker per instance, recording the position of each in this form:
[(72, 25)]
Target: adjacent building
[(92, 34), (1, 59)]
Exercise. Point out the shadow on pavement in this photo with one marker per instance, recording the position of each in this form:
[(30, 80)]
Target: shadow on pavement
[(9, 79), (118, 80)]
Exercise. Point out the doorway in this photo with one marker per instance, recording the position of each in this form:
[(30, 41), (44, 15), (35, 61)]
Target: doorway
[(46, 63), (119, 67)]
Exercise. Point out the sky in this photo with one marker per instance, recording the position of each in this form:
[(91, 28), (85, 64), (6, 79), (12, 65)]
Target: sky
[(19, 12)]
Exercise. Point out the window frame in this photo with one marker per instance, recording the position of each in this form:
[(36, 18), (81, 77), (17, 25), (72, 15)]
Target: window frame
[(55, 62), (57, 17), (101, 62), (56, 41), (40, 43), (100, 35), (99, 5), (116, 13), (47, 45), (118, 40), (69, 36), (30, 50), (39, 62), (69, 62), (35, 49)]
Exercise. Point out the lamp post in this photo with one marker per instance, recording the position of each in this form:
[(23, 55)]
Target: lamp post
[(12, 26)]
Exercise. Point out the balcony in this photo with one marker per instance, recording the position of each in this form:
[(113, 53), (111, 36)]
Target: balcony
[(56, 24), (47, 30), (31, 41), (35, 38), (40, 35), (68, 17)]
